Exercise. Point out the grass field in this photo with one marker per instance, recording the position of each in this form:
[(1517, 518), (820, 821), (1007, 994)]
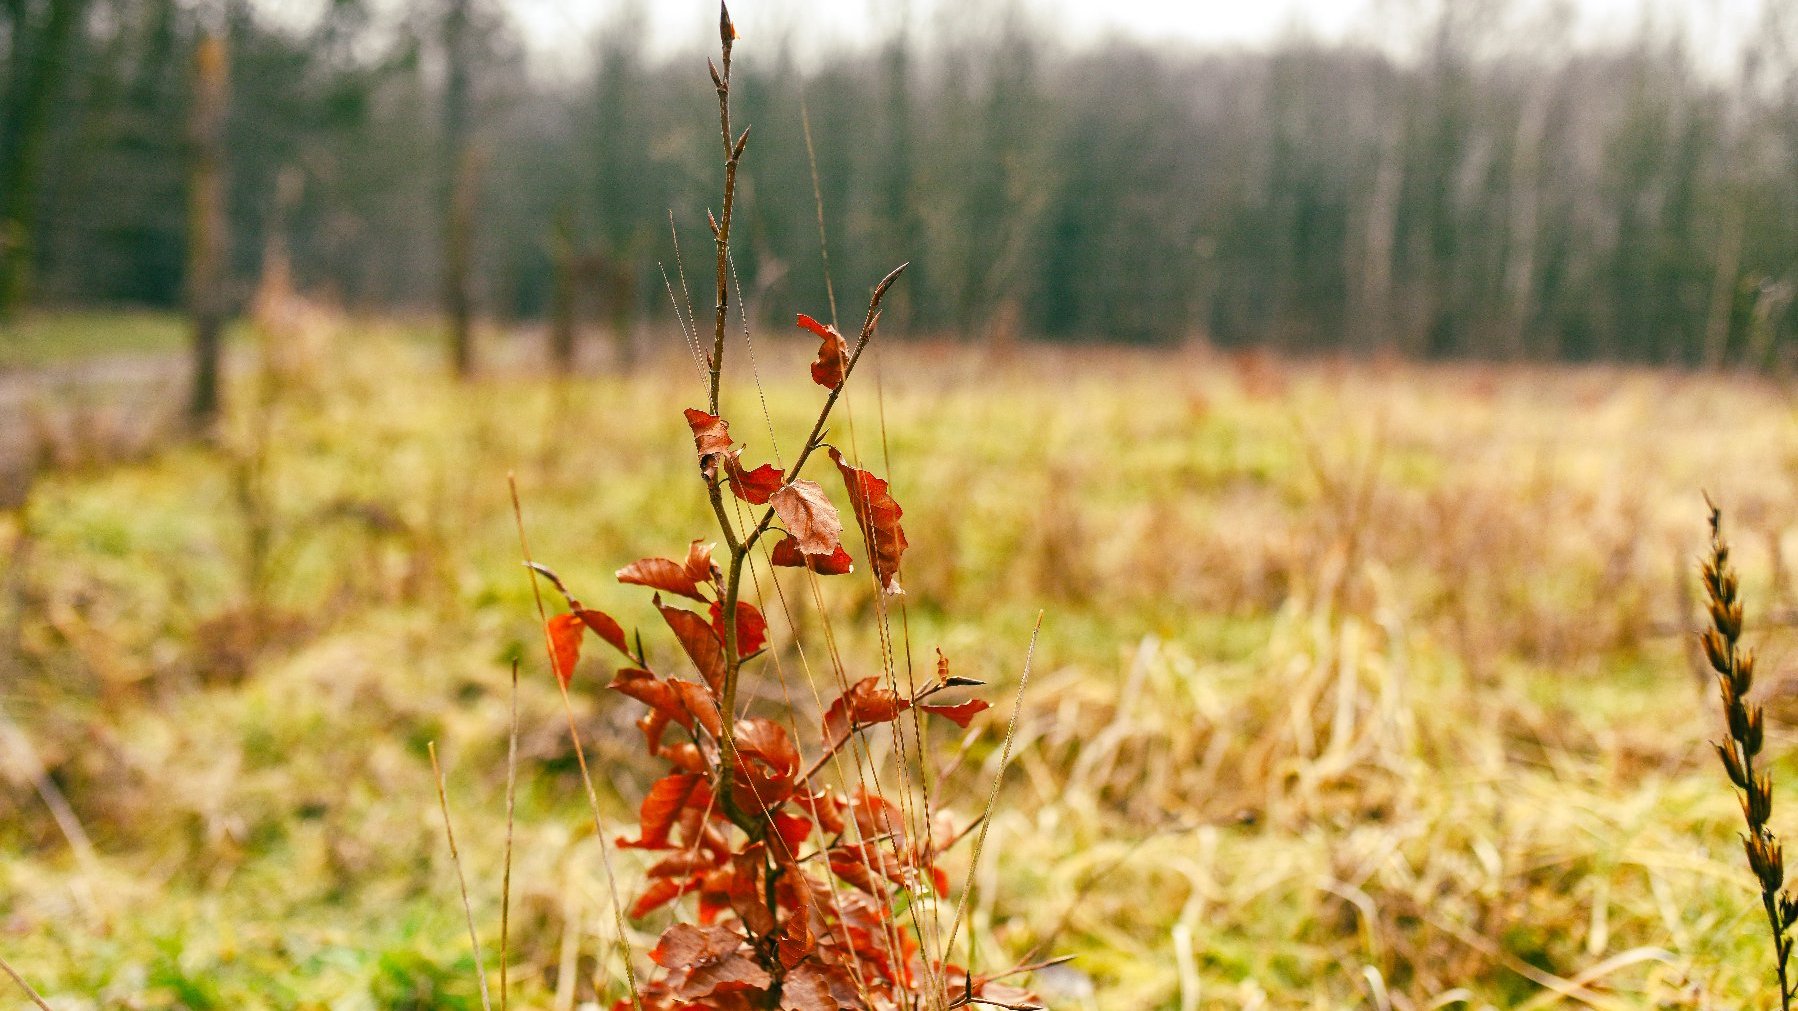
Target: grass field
[(47, 337), (1358, 686)]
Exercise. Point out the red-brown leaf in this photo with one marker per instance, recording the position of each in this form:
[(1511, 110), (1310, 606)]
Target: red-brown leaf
[(699, 562), (796, 939), (660, 893), (767, 761), (652, 692), (864, 703), (704, 961), (961, 714), (846, 865), (565, 632), (711, 437), (792, 829), (752, 486), (683, 864), (697, 638), (663, 574), (653, 724), (605, 627), (807, 989), (752, 628), (662, 807), (833, 355), (809, 517), (826, 808), (698, 700), (878, 515), (787, 553)]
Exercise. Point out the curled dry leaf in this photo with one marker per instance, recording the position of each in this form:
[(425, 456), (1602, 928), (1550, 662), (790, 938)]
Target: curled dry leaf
[(565, 632), (699, 640), (809, 517), (752, 628), (787, 553), (832, 365), (878, 515), (711, 438), (663, 574)]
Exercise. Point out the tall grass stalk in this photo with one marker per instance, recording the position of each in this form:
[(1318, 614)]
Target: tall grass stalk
[(1734, 666)]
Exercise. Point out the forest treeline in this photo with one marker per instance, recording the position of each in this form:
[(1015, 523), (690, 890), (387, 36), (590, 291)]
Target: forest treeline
[(1529, 200)]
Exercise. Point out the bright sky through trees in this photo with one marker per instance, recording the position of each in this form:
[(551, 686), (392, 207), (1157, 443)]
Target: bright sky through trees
[(1713, 26)]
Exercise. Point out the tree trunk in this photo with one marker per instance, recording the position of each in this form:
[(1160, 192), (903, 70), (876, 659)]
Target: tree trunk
[(206, 226), (36, 67), (458, 187), (1520, 256), (562, 309), (623, 278)]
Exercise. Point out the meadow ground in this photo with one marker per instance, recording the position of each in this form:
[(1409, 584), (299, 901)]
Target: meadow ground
[(1358, 686)]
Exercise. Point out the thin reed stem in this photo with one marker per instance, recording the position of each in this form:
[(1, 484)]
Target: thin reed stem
[(449, 832), (29, 992), (505, 888), (992, 798), (580, 754)]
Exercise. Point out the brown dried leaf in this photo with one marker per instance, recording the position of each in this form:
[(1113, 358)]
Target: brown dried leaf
[(787, 553), (961, 714), (878, 515), (832, 365), (806, 989), (699, 640), (662, 807), (565, 632), (653, 692), (699, 562), (711, 438), (663, 574), (603, 625), (864, 703), (752, 486), (752, 628), (698, 700), (809, 517)]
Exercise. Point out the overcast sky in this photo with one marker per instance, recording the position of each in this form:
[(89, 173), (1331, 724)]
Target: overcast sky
[(559, 27)]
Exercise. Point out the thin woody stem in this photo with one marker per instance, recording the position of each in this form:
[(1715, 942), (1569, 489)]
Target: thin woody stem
[(739, 553), (733, 153)]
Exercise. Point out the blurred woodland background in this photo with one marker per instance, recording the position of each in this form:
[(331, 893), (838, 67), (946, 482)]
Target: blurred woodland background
[(1480, 183)]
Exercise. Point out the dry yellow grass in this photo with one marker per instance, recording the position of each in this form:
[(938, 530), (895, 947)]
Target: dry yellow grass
[(1359, 686)]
